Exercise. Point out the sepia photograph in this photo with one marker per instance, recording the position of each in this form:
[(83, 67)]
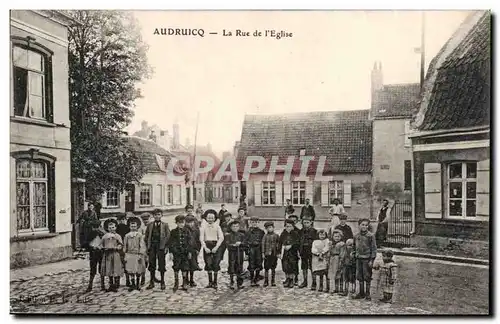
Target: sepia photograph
[(250, 162)]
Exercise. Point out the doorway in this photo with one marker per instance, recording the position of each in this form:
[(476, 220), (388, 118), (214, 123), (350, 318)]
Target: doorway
[(129, 198)]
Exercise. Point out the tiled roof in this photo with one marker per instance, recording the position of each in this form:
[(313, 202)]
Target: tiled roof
[(397, 100), (147, 151), (343, 137), (460, 95)]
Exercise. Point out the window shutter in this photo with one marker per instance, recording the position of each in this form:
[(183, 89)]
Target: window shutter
[(483, 188), (432, 187), (309, 191), (347, 193), (279, 193), (177, 197), (258, 193), (286, 191), (324, 193), (183, 197)]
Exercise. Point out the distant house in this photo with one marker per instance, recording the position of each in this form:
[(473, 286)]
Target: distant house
[(226, 189), (343, 137), (392, 107), (155, 190), (451, 142), (40, 148)]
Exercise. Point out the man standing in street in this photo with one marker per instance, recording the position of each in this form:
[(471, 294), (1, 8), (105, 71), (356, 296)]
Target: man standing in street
[(308, 210), (156, 237)]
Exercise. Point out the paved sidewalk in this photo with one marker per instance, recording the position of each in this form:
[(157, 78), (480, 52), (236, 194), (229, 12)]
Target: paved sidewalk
[(49, 269)]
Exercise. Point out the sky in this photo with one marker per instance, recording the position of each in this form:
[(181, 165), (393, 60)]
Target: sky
[(324, 66)]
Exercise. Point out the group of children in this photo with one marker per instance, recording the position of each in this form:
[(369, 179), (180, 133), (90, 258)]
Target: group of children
[(336, 258)]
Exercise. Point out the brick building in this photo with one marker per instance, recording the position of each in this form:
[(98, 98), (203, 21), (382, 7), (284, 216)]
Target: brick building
[(343, 137)]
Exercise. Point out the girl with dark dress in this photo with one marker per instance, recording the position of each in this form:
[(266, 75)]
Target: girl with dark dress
[(289, 240), (383, 223)]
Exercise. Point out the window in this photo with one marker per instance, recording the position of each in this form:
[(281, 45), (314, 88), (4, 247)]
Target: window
[(462, 189), (335, 191), (145, 195), (112, 198), (31, 195), (170, 198), (298, 192), (302, 152), (30, 87), (268, 193), (159, 195), (407, 175)]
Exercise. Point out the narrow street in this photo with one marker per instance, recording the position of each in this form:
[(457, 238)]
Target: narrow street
[(424, 287)]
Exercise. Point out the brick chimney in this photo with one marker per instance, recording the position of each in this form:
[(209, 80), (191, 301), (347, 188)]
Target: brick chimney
[(377, 84)]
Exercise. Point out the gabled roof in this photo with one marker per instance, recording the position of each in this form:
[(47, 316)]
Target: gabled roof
[(397, 100), (343, 137), (147, 151), (457, 88)]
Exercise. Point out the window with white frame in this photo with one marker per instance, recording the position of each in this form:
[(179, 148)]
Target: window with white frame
[(158, 195), (145, 195), (112, 198), (31, 195), (461, 181), (268, 193), (170, 195), (335, 191), (30, 88), (298, 192)]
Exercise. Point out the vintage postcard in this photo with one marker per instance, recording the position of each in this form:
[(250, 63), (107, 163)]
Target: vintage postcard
[(250, 162)]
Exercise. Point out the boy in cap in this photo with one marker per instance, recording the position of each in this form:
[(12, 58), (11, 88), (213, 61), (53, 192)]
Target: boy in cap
[(271, 250), (253, 241), (289, 240), (182, 249), (307, 235), (157, 236), (365, 251), (234, 242)]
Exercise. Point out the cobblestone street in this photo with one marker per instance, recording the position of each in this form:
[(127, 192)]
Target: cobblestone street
[(423, 285)]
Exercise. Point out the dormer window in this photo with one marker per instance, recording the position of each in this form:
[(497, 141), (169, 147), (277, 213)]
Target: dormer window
[(302, 152)]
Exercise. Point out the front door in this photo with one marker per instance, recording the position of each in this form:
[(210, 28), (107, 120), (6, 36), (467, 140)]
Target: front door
[(129, 198), (228, 194)]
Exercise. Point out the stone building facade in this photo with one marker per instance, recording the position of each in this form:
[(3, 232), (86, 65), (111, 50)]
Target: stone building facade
[(40, 148)]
